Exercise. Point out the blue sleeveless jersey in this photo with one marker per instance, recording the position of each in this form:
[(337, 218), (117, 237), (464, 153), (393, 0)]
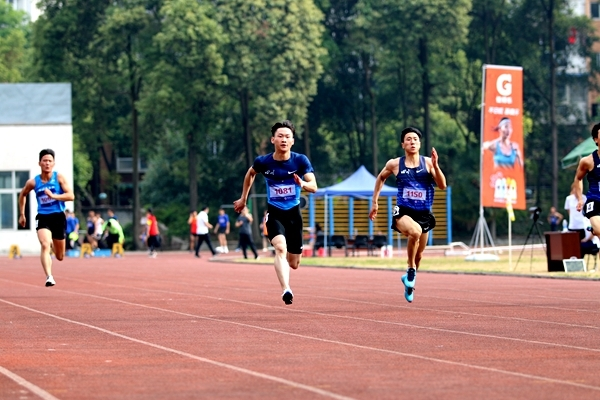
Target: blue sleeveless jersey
[(593, 178), (415, 186), (503, 160), (282, 191), (46, 204)]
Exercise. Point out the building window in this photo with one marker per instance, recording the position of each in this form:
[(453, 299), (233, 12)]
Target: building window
[(11, 183), (595, 10), (595, 58)]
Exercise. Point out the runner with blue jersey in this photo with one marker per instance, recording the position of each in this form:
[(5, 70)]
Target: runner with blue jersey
[(51, 191), (286, 174), (416, 177), (589, 166)]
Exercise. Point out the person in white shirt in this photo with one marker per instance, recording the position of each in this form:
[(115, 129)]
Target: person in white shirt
[(202, 229), (576, 218)]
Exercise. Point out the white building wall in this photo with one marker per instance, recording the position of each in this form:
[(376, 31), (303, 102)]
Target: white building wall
[(20, 146), (29, 6)]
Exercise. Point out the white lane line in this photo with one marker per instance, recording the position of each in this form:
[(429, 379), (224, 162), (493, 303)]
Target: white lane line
[(503, 304), (366, 302), (494, 302), (27, 385), (294, 384), (535, 342), (491, 316), (192, 356)]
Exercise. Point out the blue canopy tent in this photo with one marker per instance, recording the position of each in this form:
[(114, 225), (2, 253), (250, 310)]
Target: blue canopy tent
[(360, 184)]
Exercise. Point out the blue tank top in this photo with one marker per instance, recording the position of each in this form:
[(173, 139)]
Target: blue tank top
[(593, 178), (46, 204), (415, 186), (503, 160), (282, 191)]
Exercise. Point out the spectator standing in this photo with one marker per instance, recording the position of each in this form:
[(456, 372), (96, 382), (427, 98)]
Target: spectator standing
[(222, 230), (576, 219), (72, 230), (144, 224), (192, 223), (152, 233), (202, 229), (244, 223)]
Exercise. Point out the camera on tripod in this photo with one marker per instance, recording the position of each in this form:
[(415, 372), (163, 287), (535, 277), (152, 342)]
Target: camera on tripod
[(534, 213)]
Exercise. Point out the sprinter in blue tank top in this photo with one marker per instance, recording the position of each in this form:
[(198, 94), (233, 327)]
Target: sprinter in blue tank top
[(286, 174), (51, 191), (589, 166), (415, 179)]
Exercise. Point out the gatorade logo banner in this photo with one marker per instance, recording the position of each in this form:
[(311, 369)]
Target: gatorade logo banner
[(503, 165)]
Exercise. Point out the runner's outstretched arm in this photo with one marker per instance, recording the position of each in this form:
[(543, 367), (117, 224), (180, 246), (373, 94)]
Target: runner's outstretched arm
[(240, 203)]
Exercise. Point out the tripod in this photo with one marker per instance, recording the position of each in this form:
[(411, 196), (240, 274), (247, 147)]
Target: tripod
[(535, 224)]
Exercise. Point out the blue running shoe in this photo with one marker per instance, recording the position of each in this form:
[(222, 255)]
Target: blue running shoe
[(409, 278), (408, 291), (409, 284)]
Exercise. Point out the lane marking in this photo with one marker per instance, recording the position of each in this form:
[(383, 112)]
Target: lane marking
[(27, 385), (536, 342), (285, 381), (346, 300), (189, 355)]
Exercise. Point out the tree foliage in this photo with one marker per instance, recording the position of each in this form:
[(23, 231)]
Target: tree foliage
[(202, 81), (14, 43)]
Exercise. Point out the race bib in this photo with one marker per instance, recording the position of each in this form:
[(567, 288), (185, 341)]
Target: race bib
[(589, 207), (282, 192), (45, 200), (414, 194)]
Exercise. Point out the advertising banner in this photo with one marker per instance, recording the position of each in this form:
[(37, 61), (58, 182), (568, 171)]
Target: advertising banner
[(502, 164)]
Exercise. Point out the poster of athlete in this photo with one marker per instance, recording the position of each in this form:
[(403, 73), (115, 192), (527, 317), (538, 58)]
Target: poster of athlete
[(502, 164)]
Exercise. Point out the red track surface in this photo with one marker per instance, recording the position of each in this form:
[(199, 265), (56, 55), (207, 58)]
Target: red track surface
[(176, 327)]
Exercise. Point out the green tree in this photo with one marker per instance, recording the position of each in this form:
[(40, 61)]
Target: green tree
[(123, 40), (62, 51), (14, 33), (184, 85), (273, 60), (432, 33)]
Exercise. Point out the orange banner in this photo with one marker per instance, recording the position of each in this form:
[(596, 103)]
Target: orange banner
[(503, 165)]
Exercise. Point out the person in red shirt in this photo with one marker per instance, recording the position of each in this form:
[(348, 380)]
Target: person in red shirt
[(152, 233), (192, 224)]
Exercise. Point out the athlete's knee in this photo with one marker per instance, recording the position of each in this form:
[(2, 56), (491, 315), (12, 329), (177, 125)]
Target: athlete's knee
[(60, 257), (280, 248), (294, 263), (46, 246), (414, 234)]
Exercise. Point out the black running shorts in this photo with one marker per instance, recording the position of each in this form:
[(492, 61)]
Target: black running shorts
[(55, 223), (287, 223), (591, 208), (425, 219)]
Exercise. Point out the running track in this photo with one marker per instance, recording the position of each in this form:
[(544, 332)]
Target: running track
[(176, 327)]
